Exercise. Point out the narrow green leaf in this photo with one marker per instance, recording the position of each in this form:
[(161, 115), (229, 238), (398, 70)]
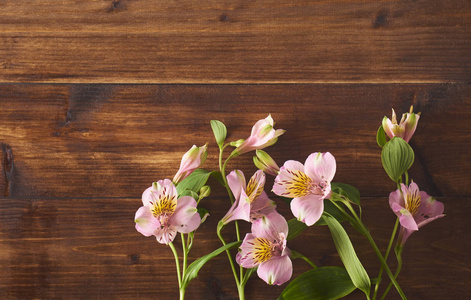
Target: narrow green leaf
[(397, 157), (295, 227), (194, 267), (220, 132), (323, 283), (347, 190), (194, 182), (381, 136), (348, 256)]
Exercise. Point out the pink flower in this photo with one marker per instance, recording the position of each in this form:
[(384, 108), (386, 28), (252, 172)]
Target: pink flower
[(307, 184), (414, 208), (266, 248), (263, 135), (191, 160), (405, 129), (163, 215), (251, 201)]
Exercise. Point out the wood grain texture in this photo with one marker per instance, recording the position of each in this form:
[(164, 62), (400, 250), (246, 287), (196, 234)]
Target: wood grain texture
[(115, 140), (86, 248), (120, 41)]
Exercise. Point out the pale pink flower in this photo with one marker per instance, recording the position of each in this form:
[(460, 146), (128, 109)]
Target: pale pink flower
[(251, 201), (266, 249), (263, 135), (191, 161), (414, 208), (406, 127), (163, 215), (307, 184)]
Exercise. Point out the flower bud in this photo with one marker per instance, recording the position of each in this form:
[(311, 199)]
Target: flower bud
[(191, 160), (264, 162)]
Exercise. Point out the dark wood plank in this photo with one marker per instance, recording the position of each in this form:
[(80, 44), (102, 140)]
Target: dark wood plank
[(113, 141), (88, 248), (235, 41)]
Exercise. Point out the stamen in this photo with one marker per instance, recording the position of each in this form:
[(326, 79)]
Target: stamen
[(413, 202), (263, 250), (299, 185)]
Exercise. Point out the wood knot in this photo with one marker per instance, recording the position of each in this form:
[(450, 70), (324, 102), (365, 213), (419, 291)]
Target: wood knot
[(381, 19), (224, 18), (116, 5)]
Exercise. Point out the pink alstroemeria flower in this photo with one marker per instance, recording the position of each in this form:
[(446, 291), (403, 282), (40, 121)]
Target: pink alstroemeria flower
[(307, 184), (414, 208), (251, 201), (406, 127), (266, 248), (163, 215), (263, 135), (191, 160)]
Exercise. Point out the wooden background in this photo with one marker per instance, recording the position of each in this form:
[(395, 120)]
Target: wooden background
[(99, 98)]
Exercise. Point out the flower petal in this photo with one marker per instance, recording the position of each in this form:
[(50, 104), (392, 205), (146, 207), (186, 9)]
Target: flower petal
[(236, 181), (405, 217), (246, 257), (396, 197), (240, 210), (261, 206), (308, 209), (146, 223), (276, 270), (320, 167), (429, 209), (165, 234), (185, 218), (270, 227)]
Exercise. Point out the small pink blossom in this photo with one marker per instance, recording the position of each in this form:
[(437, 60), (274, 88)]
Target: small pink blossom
[(251, 201), (406, 127), (266, 249), (163, 215), (263, 135), (307, 184), (414, 208), (191, 160)]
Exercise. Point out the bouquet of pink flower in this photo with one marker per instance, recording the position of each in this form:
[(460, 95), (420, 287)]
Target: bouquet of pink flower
[(171, 206)]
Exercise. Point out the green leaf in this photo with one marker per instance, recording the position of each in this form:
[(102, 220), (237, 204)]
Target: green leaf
[(332, 210), (347, 253), (220, 132), (323, 283), (194, 182), (397, 157), (189, 193), (381, 136), (347, 190), (295, 227), (194, 267), (218, 176)]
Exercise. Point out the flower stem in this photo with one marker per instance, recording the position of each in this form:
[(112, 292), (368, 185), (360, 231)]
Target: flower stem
[(379, 255), (177, 263), (386, 258), (398, 251), (229, 256)]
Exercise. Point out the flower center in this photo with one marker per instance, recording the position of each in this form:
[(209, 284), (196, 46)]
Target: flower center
[(413, 202), (164, 207), (263, 250), (299, 184)]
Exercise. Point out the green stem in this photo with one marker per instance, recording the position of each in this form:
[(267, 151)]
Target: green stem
[(241, 290), (399, 266), (177, 263), (229, 256), (185, 254), (386, 257), (380, 257)]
